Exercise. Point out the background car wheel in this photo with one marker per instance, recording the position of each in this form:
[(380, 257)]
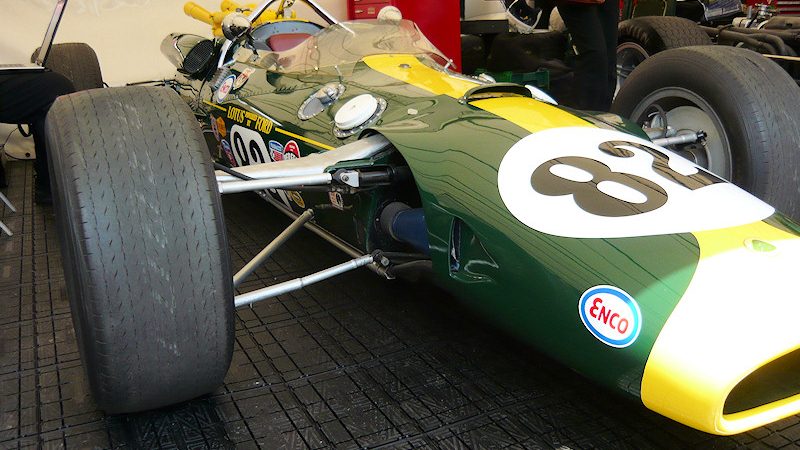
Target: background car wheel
[(746, 104), (76, 61), (144, 247), (643, 37)]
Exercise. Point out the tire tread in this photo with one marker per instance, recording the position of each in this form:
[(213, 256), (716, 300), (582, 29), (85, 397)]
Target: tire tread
[(656, 34), (149, 277)]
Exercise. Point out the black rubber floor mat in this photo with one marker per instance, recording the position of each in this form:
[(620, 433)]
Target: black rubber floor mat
[(194, 425), (353, 362)]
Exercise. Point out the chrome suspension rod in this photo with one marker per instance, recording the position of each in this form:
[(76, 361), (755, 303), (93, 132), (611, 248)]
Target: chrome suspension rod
[(284, 236), (230, 187), (299, 283)]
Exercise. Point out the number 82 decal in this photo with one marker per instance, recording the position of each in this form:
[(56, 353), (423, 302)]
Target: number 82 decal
[(596, 183)]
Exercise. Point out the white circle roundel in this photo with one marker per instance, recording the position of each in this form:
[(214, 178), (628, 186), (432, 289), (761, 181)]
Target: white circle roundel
[(586, 182)]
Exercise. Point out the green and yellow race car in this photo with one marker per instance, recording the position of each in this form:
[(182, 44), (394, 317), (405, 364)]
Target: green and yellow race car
[(574, 231)]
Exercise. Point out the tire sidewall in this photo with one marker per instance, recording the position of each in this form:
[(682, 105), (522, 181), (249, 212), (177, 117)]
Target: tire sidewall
[(718, 93)]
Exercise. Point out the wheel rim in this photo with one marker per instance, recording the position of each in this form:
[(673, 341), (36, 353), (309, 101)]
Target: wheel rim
[(629, 55), (685, 111)]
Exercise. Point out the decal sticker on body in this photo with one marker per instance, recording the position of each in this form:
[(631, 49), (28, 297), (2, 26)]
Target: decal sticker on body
[(595, 183), (279, 152), (215, 129), (275, 148), (225, 88), (336, 200), (248, 146), (221, 129), (297, 199), (241, 80), (250, 119), (611, 315), (226, 148)]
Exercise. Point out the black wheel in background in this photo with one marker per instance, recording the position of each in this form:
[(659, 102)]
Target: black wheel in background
[(642, 37), (144, 247), (746, 103), (77, 62)]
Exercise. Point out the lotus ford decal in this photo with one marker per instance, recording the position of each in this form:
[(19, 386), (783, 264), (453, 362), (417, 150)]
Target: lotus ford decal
[(611, 315)]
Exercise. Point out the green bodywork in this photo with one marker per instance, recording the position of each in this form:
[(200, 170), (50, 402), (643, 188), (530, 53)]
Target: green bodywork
[(526, 281)]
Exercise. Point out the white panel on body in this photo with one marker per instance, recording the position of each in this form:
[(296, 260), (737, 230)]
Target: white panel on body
[(636, 189), (314, 163)]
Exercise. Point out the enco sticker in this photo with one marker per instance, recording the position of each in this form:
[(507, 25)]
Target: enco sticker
[(248, 146), (585, 182), (225, 88), (611, 315), (243, 77)]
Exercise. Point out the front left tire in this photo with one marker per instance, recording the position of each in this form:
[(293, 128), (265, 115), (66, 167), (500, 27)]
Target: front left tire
[(143, 241)]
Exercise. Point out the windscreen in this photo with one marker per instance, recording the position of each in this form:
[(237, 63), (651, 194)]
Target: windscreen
[(348, 42)]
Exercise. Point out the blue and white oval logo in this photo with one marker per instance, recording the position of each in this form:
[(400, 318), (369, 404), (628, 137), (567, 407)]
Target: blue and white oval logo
[(225, 88), (611, 315)]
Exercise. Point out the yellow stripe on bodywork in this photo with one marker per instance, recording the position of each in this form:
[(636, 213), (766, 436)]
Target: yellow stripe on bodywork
[(304, 139), (214, 105), (527, 113), (409, 69), (735, 316), (530, 114), (284, 132)]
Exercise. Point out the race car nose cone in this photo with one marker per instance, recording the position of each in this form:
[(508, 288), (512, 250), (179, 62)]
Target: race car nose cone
[(356, 112), (725, 361)]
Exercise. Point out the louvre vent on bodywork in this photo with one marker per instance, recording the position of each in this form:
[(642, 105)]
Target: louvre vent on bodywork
[(199, 57), (469, 259), (777, 380)]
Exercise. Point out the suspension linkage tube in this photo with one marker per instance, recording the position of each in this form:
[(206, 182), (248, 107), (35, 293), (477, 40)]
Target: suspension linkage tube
[(299, 283), (231, 187), (276, 243)]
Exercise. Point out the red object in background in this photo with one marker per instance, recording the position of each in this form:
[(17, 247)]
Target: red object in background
[(439, 20), (785, 7)]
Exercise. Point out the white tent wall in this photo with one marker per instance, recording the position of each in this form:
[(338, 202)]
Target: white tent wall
[(126, 34)]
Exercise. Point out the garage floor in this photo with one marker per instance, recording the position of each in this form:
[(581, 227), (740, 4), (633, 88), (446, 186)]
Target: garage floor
[(355, 362)]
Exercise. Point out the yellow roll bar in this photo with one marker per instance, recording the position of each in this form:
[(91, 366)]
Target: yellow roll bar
[(214, 19)]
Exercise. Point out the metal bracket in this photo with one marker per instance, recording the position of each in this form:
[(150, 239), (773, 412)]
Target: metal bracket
[(348, 177)]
